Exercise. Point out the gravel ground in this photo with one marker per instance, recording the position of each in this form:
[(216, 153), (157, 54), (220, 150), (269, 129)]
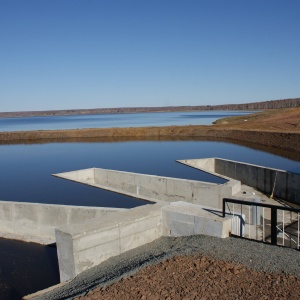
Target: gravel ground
[(252, 255)]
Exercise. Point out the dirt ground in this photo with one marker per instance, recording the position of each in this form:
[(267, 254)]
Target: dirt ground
[(200, 277), (283, 120)]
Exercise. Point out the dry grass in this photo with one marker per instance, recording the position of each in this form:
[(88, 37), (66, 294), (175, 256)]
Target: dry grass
[(281, 120)]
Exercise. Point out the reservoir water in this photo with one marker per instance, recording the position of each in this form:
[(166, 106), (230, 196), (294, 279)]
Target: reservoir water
[(26, 169), (115, 120)]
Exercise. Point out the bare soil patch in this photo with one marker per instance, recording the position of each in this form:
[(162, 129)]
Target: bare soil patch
[(200, 277)]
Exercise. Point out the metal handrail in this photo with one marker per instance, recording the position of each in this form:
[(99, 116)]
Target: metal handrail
[(297, 210), (273, 208)]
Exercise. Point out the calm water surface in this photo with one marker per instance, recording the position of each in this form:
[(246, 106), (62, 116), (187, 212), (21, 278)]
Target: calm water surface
[(115, 120), (26, 176), (26, 169)]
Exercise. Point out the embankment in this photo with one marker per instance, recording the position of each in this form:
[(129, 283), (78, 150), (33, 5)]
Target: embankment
[(286, 140)]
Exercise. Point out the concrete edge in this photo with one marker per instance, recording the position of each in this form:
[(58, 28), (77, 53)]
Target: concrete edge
[(62, 175), (62, 205)]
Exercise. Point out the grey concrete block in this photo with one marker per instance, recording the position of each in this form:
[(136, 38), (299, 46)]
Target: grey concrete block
[(65, 255)]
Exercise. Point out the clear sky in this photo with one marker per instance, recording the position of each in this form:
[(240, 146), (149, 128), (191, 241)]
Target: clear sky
[(64, 54)]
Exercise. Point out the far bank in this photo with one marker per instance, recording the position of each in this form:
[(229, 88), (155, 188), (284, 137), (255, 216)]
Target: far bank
[(278, 139)]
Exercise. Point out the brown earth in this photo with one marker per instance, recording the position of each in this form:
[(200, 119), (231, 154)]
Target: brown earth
[(200, 277), (283, 120), (275, 128)]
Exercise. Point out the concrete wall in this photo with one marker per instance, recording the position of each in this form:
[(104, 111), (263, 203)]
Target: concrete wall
[(287, 185), (82, 246), (37, 222), (160, 188), (156, 188), (184, 219), (204, 164), (83, 176)]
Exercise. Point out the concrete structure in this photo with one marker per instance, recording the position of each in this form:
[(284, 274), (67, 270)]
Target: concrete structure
[(86, 237), (82, 246), (184, 207), (155, 188), (36, 222), (282, 184), (184, 219), (87, 244)]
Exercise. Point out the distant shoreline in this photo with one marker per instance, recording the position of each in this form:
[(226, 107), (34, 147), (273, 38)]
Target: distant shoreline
[(274, 128), (272, 104), (282, 140)]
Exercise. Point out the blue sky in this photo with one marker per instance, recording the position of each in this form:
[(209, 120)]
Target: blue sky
[(64, 54)]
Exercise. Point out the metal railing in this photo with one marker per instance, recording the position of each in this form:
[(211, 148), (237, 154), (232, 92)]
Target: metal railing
[(274, 224)]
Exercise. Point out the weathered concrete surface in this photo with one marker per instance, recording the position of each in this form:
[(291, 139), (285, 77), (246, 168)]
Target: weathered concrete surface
[(85, 245), (36, 222), (82, 246), (155, 188), (185, 219), (286, 184)]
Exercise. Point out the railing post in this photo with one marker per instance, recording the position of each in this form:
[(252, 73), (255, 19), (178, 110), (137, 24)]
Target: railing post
[(274, 226), (224, 207)]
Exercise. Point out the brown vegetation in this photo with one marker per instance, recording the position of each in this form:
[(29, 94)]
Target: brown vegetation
[(274, 120)]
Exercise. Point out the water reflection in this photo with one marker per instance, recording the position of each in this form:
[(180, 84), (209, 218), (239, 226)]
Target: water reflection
[(276, 151), (26, 267), (29, 166)]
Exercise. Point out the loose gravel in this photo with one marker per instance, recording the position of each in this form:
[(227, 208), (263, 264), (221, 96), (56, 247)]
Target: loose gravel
[(237, 252)]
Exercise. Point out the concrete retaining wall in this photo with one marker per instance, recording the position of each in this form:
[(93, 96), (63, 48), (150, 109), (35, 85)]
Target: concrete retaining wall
[(82, 246), (287, 184), (162, 188), (36, 222), (184, 219), (155, 188)]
